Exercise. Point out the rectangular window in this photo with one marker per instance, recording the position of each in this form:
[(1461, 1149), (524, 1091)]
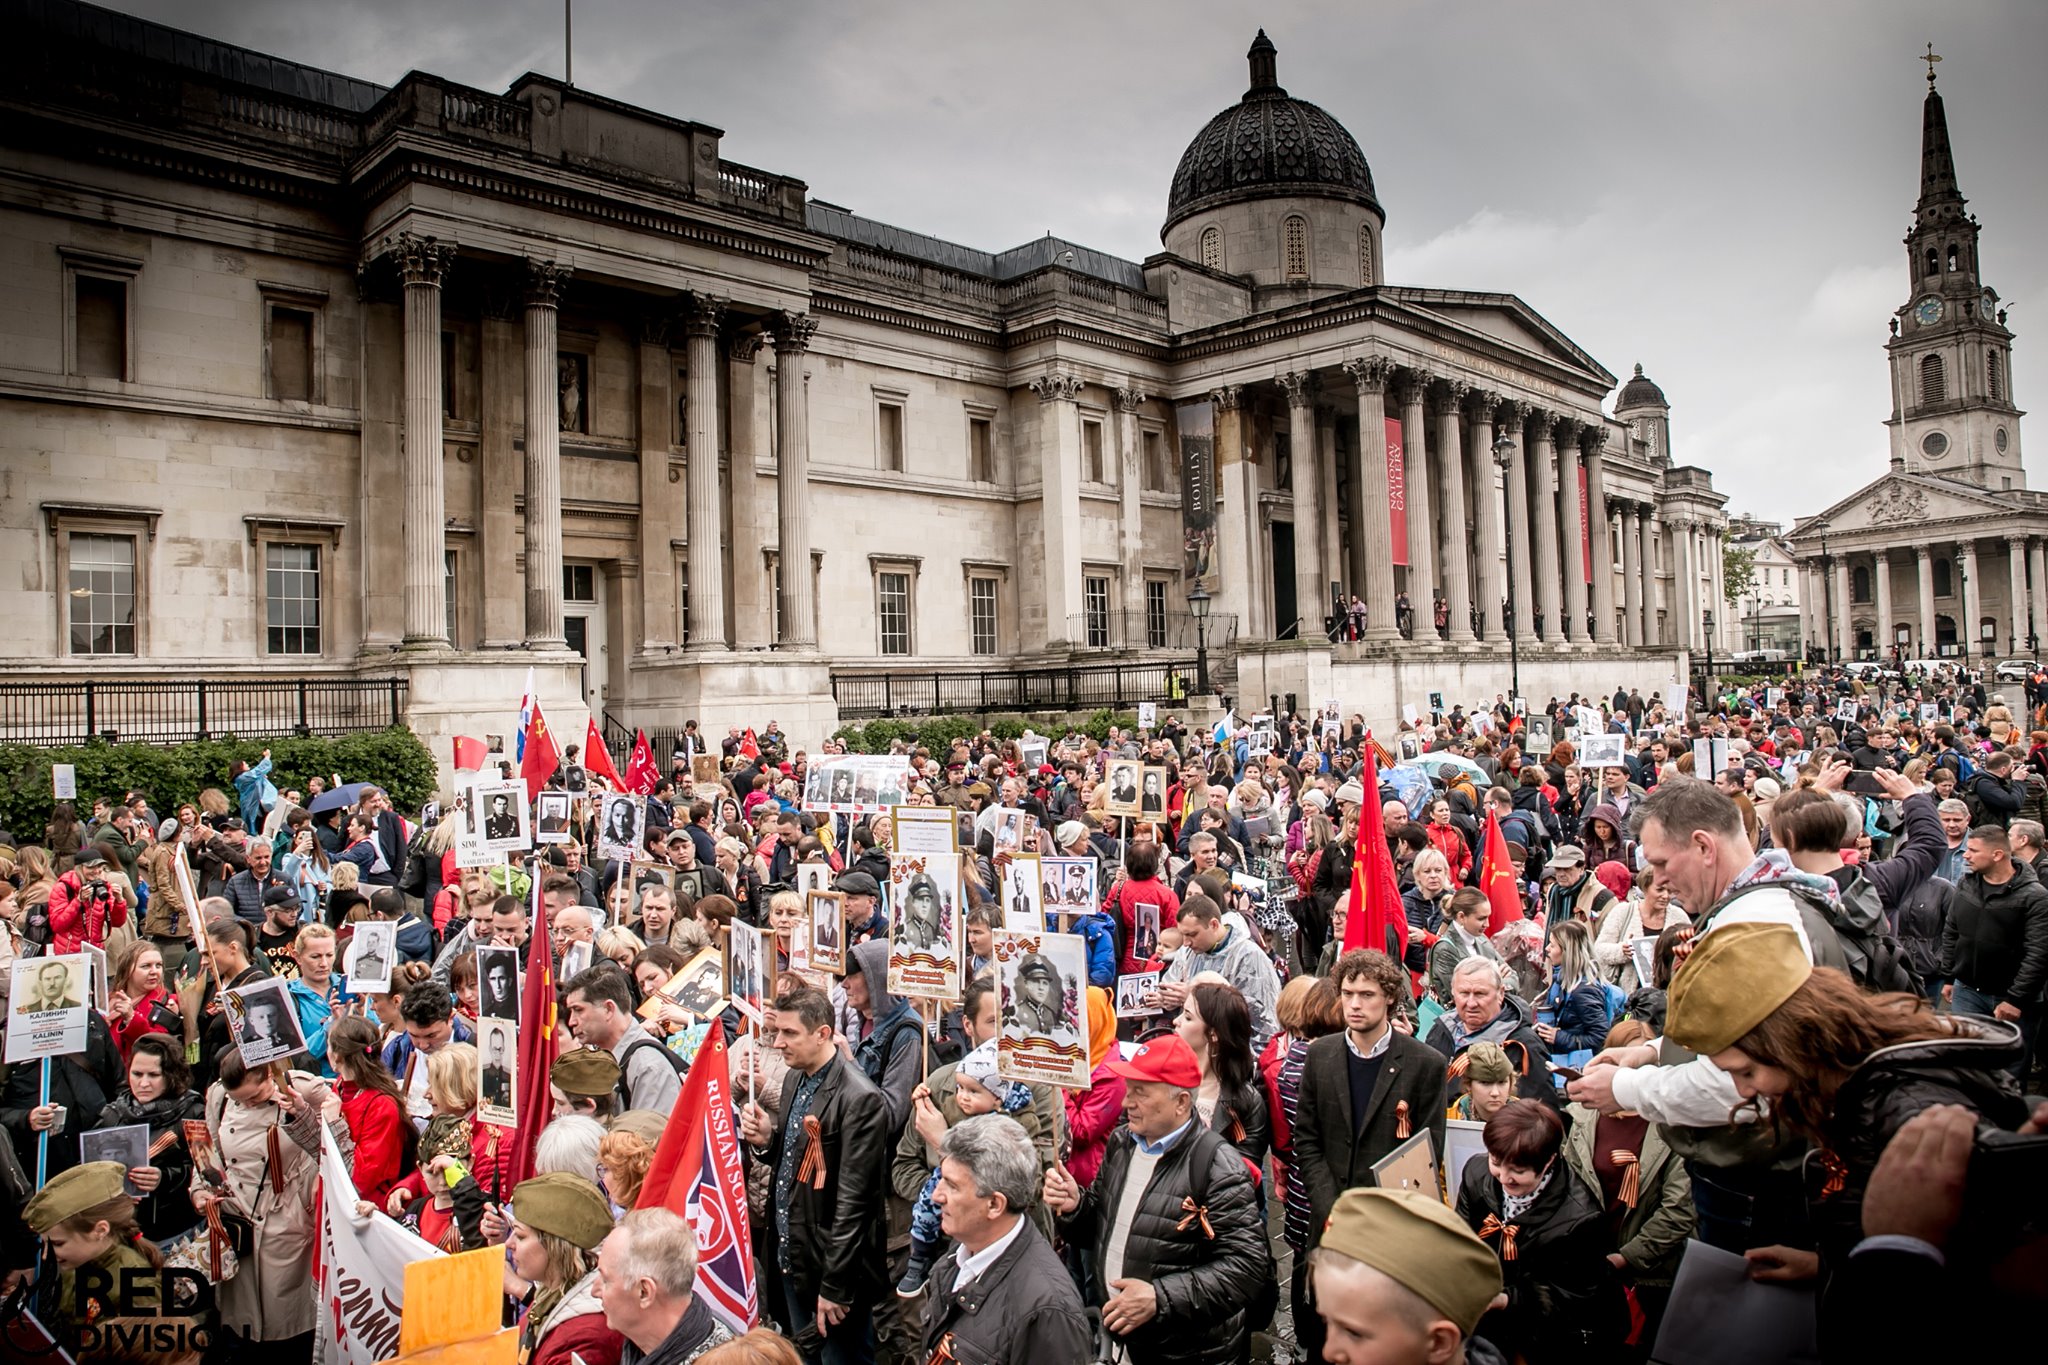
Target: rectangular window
[(1154, 443), (1155, 613), (102, 594), (889, 436), (981, 450), (981, 607), (683, 596), (579, 583), (1092, 462), (892, 609), (448, 592), (291, 598), (448, 354), (291, 353), (99, 327), (1095, 600)]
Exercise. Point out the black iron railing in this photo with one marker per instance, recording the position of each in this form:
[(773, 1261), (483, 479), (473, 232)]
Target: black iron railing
[(171, 711), (908, 692), (1122, 630)]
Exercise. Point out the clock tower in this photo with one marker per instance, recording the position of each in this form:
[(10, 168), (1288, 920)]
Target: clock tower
[(1950, 352)]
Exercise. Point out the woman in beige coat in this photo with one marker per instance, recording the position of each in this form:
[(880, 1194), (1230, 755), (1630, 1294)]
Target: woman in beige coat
[(267, 1155), (1999, 717)]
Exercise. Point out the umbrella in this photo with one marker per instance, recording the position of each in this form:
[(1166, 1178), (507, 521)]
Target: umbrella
[(1411, 784), (1429, 763), (336, 798)]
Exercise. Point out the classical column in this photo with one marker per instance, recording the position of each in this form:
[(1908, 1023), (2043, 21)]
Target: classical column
[(1421, 527), (1845, 639), (2037, 565), (1516, 495), (1592, 441), (706, 501), (2016, 591), (747, 528), (1369, 374), (423, 263), (792, 479), (500, 419), (1543, 505), (1631, 575), (1450, 446), (1332, 530), (1486, 507), (1654, 632), (1678, 608), (544, 283), (1131, 514), (662, 510), (1973, 600), (1573, 529), (1923, 562), (1882, 571), (1310, 588), (1059, 502)]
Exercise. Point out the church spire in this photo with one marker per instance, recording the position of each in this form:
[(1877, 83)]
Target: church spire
[(1938, 187)]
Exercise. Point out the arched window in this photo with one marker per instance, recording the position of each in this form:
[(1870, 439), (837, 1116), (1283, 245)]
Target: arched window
[(1294, 247), (1367, 273), (1944, 579), (1212, 247), (1933, 262), (1933, 379), (1859, 584), (1992, 372), (1955, 255)]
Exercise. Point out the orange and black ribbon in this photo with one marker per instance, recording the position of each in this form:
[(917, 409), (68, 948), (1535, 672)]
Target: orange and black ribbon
[(1493, 1227), (1631, 1175), (942, 1354), (811, 1169), (1837, 1174), (1193, 1213), (1402, 1128)]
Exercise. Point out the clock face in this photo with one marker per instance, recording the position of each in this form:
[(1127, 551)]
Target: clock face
[(1927, 312), (1988, 306)]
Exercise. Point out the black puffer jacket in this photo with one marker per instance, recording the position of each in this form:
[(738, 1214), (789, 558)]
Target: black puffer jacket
[(838, 1228), (1917, 921), (1565, 1303), (1996, 937), (168, 1210), (1204, 1278), (1893, 1084), (1240, 1119)]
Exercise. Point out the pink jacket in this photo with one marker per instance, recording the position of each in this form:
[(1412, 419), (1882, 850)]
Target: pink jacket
[(1092, 1115), (77, 919)]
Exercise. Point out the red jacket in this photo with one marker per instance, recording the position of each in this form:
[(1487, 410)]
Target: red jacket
[(1123, 903), (380, 1129), (435, 1223), (141, 1020), (78, 918), (1446, 840), (586, 1335), (1092, 1115)]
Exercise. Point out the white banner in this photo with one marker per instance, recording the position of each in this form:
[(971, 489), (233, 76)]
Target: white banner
[(362, 1272)]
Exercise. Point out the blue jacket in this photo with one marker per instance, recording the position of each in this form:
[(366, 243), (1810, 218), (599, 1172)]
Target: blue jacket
[(415, 939), (398, 1051), (1094, 929), (252, 786), (314, 1016), (1580, 1017)]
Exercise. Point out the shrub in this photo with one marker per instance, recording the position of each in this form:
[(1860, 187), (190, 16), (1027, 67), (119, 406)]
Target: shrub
[(394, 759), (937, 733)]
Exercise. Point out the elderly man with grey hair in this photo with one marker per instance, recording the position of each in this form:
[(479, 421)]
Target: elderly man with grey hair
[(1955, 829), (2029, 843), (646, 1279), (1003, 1294)]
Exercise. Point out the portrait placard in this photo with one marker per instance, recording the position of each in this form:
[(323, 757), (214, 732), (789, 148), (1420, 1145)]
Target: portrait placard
[(48, 999), (1436, 703), (1023, 895), (750, 963), (264, 1024), (924, 938), (128, 1144), (101, 984), (1148, 715), (697, 988), (1539, 736), (1132, 989), (1069, 885), (552, 819), (1603, 751), (1152, 785), (1031, 752), (64, 781), (497, 1081), (498, 816), (1007, 829), (826, 913), (1144, 932), (372, 950), (1120, 776), (1044, 1031), (621, 826), (924, 829), (855, 784), (704, 768), (497, 981)]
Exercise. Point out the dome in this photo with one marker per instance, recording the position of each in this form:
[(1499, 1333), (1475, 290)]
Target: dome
[(1268, 145), (1640, 393)]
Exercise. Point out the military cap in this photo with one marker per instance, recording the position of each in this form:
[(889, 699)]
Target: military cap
[(1419, 1244), (565, 1206), (644, 1124), (587, 1071), (73, 1192), (1488, 1064), (1735, 978)]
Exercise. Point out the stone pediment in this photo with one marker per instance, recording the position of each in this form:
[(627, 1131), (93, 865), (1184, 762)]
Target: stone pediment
[(1505, 319), (1899, 502)]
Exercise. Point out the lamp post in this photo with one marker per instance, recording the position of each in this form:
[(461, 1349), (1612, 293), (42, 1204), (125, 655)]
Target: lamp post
[(1707, 622), (1963, 596), (1827, 592), (1503, 446), (1198, 607)]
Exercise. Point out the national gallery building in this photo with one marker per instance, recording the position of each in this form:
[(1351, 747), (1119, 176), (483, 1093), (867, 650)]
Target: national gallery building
[(308, 378)]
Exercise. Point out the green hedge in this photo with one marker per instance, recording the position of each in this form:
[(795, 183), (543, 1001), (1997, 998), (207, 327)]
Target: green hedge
[(395, 759), (937, 733)]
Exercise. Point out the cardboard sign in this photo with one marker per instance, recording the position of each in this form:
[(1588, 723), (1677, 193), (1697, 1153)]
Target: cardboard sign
[(47, 1002), (64, 781), (497, 1079)]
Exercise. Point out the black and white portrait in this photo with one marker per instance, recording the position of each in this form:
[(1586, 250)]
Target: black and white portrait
[(924, 959), (621, 824), (1023, 889), (1122, 776), (828, 930), (372, 949), (752, 978), (699, 987), (498, 814), (1152, 794), (497, 981), (54, 984), (497, 1082), (265, 1025), (552, 823)]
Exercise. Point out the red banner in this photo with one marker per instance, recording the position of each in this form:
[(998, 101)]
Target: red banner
[(1397, 491), (1585, 523)]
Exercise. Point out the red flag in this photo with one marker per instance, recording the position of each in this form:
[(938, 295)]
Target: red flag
[(540, 759), (750, 748), (469, 754), (597, 759), (698, 1173), (1497, 877), (1375, 905), (641, 774), (537, 1051)]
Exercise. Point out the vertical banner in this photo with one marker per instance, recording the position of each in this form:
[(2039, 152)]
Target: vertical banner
[(1585, 524), (1397, 490), (1197, 423)]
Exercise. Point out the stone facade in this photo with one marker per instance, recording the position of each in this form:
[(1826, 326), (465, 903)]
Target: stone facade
[(301, 376)]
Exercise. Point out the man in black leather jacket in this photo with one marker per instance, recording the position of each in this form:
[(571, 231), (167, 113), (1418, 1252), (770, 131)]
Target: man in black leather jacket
[(828, 1152), (1181, 1251)]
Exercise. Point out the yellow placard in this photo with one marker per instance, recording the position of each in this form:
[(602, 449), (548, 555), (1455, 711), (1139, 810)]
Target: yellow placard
[(500, 1348), (452, 1299)]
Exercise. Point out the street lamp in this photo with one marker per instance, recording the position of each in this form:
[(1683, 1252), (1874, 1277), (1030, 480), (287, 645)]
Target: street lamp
[(1503, 447), (1827, 590), (1707, 621), (1198, 607)]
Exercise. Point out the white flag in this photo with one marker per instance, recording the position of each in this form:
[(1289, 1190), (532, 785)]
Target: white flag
[(362, 1271)]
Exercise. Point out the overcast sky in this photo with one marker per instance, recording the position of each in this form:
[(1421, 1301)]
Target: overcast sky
[(1715, 190)]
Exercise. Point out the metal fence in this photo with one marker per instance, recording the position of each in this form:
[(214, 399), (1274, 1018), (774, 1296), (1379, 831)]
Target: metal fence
[(1085, 687), (171, 711)]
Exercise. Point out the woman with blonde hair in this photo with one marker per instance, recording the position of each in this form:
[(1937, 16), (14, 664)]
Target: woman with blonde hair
[(452, 1136), (1576, 1001), (558, 1222)]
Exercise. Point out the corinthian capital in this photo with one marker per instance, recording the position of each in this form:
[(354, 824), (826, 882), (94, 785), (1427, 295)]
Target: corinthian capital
[(744, 346), (1057, 385), (1451, 397), (420, 260), (1413, 386), (1513, 413), (1565, 429), (1592, 438), (1130, 398), (545, 281), (1369, 373), (1227, 397), (702, 315), (1300, 388), (793, 332)]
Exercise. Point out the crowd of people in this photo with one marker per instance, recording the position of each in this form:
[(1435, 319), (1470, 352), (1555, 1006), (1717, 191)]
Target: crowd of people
[(1768, 979)]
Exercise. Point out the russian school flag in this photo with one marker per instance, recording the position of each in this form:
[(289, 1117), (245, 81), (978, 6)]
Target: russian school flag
[(698, 1173)]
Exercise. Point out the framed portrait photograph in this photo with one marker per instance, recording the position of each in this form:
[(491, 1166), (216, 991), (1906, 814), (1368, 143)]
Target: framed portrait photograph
[(1069, 884), (261, 1017), (497, 982), (924, 829), (497, 1080), (924, 937), (826, 912), (553, 818), (1603, 751), (48, 1001), (1540, 741), (1008, 829), (1132, 988), (1152, 785), (1031, 752), (1148, 715), (1410, 1166), (1144, 932), (697, 988), (1120, 776), (1043, 1036), (1022, 893), (372, 952), (704, 769), (498, 815), (621, 826), (811, 877), (750, 962)]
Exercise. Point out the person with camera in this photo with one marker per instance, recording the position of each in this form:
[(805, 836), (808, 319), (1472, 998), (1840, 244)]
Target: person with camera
[(84, 904)]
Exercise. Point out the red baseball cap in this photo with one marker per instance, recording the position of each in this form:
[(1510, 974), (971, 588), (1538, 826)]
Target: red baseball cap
[(1165, 1058)]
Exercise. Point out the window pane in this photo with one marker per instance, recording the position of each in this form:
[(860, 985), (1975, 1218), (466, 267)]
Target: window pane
[(981, 466), (100, 327), (1155, 614), (1096, 599), (982, 603), (1091, 452), (292, 598), (291, 353), (893, 609), (101, 591), (889, 435)]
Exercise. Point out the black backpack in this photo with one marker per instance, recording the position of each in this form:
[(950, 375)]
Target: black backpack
[(1202, 1145), (1877, 960)]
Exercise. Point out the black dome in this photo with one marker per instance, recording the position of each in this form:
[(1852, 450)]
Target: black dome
[(1640, 392), (1265, 145)]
